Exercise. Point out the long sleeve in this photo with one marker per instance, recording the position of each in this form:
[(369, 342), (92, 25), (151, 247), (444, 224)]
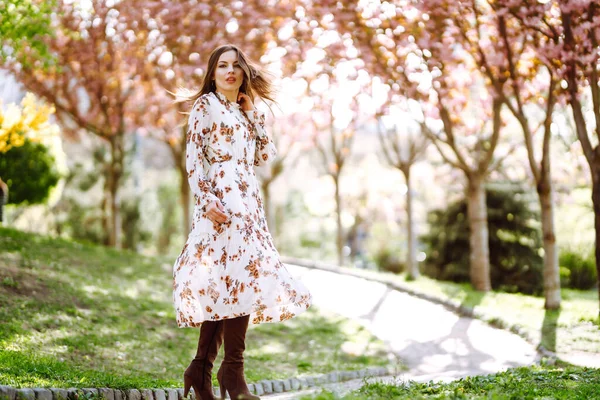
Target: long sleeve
[(199, 125), (265, 148)]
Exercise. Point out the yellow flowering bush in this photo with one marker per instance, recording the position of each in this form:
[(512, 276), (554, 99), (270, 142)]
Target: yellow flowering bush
[(29, 121)]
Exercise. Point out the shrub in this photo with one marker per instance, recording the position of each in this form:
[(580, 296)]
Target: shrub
[(134, 234), (170, 216), (29, 172), (565, 276), (515, 263), (79, 221), (386, 260), (581, 269)]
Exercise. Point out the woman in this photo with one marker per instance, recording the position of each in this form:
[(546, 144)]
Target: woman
[(229, 272)]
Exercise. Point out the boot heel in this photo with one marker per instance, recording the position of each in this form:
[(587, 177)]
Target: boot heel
[(187, 383), (222, 390)]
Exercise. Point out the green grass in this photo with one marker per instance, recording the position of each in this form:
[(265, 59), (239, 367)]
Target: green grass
[(573, 328), (78, 315), (521, 383)]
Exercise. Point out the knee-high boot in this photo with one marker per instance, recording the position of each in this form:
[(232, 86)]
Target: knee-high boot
[(231, 373), (198, 374)]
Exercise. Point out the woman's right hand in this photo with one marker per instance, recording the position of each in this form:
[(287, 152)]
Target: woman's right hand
[(216, 212)]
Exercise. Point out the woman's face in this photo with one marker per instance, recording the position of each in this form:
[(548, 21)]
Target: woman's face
[(228, 74)]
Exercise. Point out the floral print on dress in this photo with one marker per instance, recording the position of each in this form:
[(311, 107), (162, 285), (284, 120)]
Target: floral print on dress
[(232, 269)]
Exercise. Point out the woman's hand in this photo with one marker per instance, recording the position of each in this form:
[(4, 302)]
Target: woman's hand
[(245, 102), (216, 212)]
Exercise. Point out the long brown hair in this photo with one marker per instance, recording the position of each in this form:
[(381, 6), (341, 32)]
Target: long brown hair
[(255, 82)]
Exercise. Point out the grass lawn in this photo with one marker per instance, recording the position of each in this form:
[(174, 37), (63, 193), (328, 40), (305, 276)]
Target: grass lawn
[(571, 383), (78, 315), (573, 328)]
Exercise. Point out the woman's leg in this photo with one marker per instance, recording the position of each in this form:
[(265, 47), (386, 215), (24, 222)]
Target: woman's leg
[(198, 374), (231, 373)]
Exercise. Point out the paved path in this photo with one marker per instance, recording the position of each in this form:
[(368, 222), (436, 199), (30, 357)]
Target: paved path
[(433, 342)]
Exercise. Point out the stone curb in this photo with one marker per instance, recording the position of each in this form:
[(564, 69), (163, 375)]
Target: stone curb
[(453, 306), (264, 387)]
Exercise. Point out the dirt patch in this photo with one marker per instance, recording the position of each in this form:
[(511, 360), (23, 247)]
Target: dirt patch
[(21, 282)]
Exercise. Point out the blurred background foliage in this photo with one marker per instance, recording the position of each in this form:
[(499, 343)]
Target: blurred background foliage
[(515, 242), (115, 178)]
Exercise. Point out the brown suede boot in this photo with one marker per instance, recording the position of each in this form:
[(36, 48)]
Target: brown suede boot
[(198, 374), (231, 373)]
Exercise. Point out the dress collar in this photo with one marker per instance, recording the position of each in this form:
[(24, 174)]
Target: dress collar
[(224, 100)]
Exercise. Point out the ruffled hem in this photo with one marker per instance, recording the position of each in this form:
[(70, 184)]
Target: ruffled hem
[(270, 315), (255, 284)]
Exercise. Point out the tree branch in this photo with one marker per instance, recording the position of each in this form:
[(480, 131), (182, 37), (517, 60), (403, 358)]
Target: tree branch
[(496, 125), (435, 140), (384, 146), (511, 63), (449, 129), (495, 166), (322, 151), (573, 90), (594, 79), (550, 103)]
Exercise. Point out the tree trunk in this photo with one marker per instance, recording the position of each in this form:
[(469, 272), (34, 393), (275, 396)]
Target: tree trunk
[(179, 154), (412, 267), (592, 155), (115, 175), (269, 215), (105, 206), (184, 196), (478, 236), (3, 197), (116, 214), (551, 271), (338, 211), (596, 202), (185, 199)]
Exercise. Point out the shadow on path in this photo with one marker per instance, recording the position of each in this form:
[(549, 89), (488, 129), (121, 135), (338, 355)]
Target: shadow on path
[(370, 315), (428, 337), (451, 352)]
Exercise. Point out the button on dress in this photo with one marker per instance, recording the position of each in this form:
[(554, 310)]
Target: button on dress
[(231, 269)]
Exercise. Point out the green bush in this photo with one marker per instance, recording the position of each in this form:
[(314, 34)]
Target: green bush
[(515, 263), (80, 222), (386, 260), (134, 234), (30, 173), (565, 276), (170, 216), (581, 269)]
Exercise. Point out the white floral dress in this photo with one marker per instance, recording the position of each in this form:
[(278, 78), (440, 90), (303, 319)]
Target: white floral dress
[(232, 269)]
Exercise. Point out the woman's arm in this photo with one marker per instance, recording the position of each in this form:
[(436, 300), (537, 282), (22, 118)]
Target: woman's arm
[(199, 125), (265, 148)]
